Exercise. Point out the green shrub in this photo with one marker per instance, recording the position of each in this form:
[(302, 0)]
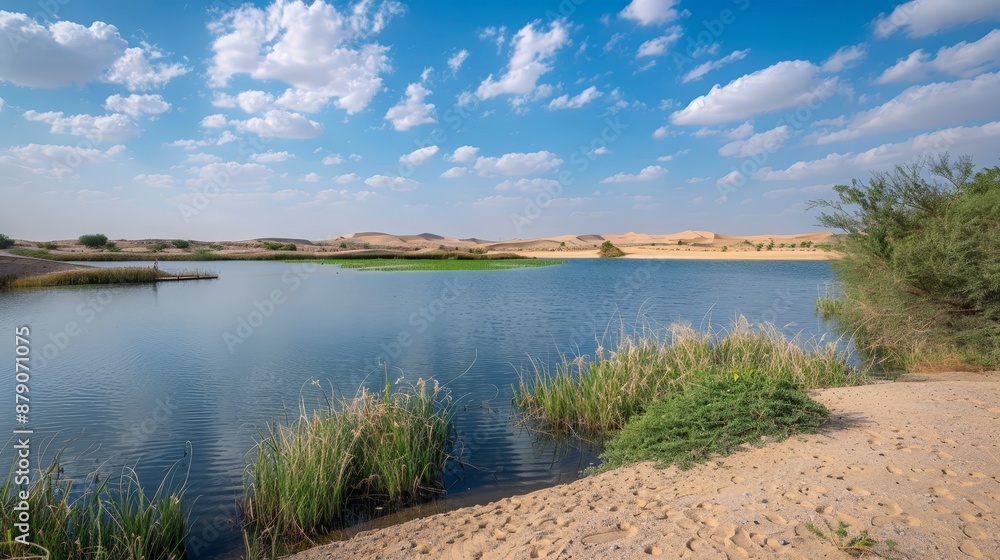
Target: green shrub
[(159, 247), (180, 243), (215, 247), (343, 245), (47, 245), (608, 250), (93, 241), (5, 241), (725, 248), (715, 418), (113, 247)]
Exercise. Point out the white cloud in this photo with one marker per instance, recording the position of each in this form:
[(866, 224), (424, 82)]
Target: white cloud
[(731, 178), (2, 102), (518, 164), (704, 132), (533, 52), (651, 173), (784, 85), (977, 142), (333, 159), (845, 58), (156, 180), (575, 102), (457, 59), (189, 144), (649, 12), (601, 151), (496, 200), (135, 71), (419, 156), (270, 157), (85, 195), (693, 180), (57, 157), (231, 176), (926, 106), (254, 101), (463, 154), (347, 178), (392, 183), (759, 143), (310, 178), (335, 196), (698, 72), (528, 185), (812, 190), (278, 123), (963, 60), (286, 194), (920, 18), (217, 120), (411, 111), (322, 53), (455, 173), (662, 132), (64, 53), (106, 128), (740, 132), (659, 45), (202, 158), (137, 105)]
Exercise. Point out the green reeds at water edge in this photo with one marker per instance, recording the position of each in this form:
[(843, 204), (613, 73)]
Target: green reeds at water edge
[(98, 276), (389, 446), (111, 520), (594, 398)]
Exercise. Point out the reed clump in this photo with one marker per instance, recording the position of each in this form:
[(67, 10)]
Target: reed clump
[(596, 397), (388, 447), (111, 520)]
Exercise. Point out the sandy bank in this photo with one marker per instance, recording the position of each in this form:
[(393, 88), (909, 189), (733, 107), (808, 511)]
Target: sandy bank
[(917, 461), (12, 266), (694, 254)]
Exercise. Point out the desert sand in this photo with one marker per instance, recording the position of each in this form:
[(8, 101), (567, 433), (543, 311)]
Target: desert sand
[(916, 461)]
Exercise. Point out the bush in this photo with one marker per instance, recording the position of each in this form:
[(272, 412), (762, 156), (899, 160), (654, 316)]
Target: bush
[(715, 418), (93, 241), (272, 246), (921, 275), (47, 245), (5, 241), (159, 247), (180, 243), (343, 245), (114, 248), (608, 250)]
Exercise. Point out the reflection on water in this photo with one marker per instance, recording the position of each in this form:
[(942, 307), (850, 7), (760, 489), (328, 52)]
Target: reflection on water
[(143, 373)]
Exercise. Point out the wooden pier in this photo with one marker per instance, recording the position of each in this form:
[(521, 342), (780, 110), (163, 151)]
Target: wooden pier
[(180, 278)]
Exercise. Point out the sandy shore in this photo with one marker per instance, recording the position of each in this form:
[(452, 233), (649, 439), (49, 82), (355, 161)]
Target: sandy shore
[(916, 461), (694, 254), (17, 267)]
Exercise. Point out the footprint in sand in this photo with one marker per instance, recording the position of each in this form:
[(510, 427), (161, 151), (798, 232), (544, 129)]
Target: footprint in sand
[(973, 532), (970, 549), (894, 469), (654, 551), (942, 493), (858, 491), (624, 530)]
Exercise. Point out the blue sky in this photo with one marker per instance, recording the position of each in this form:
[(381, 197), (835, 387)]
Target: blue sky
[(510, 119)]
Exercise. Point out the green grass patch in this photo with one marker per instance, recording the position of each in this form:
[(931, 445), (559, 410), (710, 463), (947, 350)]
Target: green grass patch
[(715, 418), (388, 446), (112, 520), (595, 397), (438, 264), (99, 276), (35, 253)]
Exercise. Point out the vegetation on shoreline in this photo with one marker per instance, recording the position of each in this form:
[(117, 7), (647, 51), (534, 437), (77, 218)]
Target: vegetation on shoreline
[(596, 398), (609, 251), (921, 276), (390, 447), (109, 520), (97, 276), (211, 255), (438, 264)]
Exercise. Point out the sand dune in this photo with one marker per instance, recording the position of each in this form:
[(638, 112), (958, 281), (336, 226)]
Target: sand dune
[(917, 462)]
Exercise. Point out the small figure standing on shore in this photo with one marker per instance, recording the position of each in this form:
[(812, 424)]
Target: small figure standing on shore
[(156, 264)]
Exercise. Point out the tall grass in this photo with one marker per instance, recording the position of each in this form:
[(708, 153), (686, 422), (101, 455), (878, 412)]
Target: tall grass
[(388, 447), (594, 398), (112, 520), (97, 276)]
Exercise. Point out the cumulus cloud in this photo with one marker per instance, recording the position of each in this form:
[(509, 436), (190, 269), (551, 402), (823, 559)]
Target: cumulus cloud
[(532, 56), (740, 132), (457, 60), (347, 178), (231, 175), (278, 123), (106, 128), (784, 85), (659, 45), (271, 157), (333, 159), (214, 121), (55, 155), (455, 173), (758, 143), (528, 185), (411, 111), (518, 164), (463, 154), (845, 58), (419, 156), (287, 194), (156, 180), (920, 18), (202, 159), (575, 102), (926, 106), (698, 72), (963, 60), (137, 105), (392, 183), (136, 71), (310, 178), (651, 173), (662, 132), (322, 53), (650, 12)]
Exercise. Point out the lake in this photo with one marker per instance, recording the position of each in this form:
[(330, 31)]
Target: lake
[(141, 375)]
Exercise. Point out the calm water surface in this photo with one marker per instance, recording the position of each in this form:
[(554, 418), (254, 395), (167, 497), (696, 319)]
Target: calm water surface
[(133, 373)]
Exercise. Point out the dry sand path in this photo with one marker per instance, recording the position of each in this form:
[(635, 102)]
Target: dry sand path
[(916, 461), (18, 267)]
